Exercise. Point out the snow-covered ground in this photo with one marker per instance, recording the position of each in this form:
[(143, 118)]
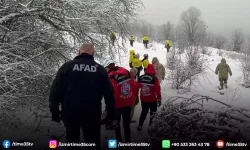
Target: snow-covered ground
[(235, 95)]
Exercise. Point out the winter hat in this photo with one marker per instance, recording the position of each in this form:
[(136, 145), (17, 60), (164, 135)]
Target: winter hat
[(108, 63), (133, 71), (150, 69), (137, 55)]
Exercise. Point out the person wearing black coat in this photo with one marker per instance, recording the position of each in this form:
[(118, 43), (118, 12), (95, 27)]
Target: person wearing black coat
[(79, 87)]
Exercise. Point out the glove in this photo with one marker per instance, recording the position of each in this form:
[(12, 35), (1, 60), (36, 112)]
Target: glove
[(56, 117), (158, 102)]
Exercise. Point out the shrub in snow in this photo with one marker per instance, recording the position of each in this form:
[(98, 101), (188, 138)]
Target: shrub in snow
[(171, 59), (186, 71), (186, 119), (245, 67), (220, 53)]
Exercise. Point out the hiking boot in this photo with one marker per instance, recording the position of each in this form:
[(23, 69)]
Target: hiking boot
[(220, 88), (225, 86), (139, 128)]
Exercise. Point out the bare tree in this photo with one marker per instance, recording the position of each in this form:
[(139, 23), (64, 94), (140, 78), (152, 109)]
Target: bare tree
[(210, 40), (168, 30), (237, 40), (220, 42), (36, 37), (192, 26), (180, 40), (191, 39), (248, 44)]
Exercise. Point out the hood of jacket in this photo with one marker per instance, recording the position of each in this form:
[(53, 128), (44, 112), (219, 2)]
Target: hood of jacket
[(223, 60), (131, 52), (150, 70), (119, 70), (155, 60)]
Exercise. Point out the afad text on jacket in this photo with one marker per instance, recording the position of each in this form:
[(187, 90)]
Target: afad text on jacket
[(124, 87), (149, 85)]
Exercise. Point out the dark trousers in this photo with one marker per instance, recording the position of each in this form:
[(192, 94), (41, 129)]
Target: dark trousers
[(91, 133), (138, 74), (223, 82), (130, 65), (145, 43), (168, 48), (145, 107), (113, 40), (131, 43), (125, 113)]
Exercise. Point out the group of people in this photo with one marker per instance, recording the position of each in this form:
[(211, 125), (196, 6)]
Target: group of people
[(145, 41), (136, 63), (81, 84)]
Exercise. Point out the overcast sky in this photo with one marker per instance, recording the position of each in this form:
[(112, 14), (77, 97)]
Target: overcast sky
[(221, 16)]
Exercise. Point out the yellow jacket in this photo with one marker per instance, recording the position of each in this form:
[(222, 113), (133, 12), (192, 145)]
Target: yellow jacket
[(113, 34), (168, 43), (145, 38), (131, 56), (137, 63), (132, 38), (145, 63)]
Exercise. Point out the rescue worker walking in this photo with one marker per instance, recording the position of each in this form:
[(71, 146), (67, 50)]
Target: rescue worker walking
[(79, 87), (150, 95), (138, 65), (145, 61), (223, 69), (124, 91), (131, 57), (145, 41), (131, 39), (168, 45), (159, 68), (113, 38)]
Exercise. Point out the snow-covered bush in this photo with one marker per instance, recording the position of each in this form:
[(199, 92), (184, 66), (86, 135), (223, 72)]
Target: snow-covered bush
[(233, 55), (171, 59), (186, 119), (220, 52), (245, 66), (186, 68)]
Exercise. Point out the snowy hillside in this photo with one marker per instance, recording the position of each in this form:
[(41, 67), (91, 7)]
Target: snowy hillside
[(235, 95)]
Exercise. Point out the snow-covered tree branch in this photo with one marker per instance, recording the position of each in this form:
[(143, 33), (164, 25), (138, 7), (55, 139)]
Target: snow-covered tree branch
[(37, 36)]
